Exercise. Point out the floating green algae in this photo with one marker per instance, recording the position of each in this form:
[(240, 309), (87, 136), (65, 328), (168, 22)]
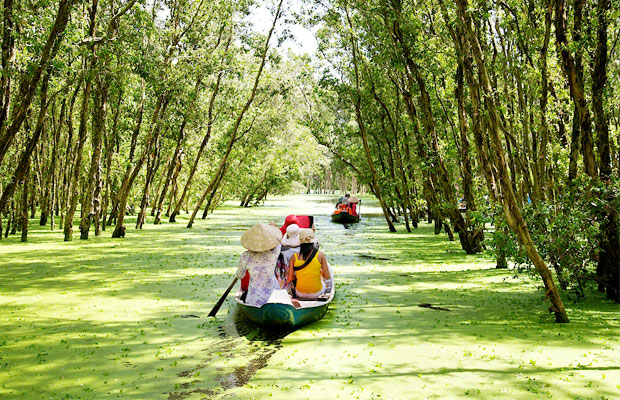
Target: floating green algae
[(111, 318)]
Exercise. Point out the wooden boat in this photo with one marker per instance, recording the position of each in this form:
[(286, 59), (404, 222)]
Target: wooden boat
[(343, 217), (279, 311)]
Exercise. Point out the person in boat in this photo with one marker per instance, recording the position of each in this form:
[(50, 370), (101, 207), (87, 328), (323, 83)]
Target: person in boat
[(262, 242), (344, 200), (290, 245), (352, 209), (308, 268)]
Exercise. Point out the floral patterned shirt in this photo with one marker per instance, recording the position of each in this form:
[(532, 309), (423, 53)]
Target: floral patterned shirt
[(262, 274)]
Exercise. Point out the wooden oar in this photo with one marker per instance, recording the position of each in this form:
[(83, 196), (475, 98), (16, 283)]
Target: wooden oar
[(217, 306)]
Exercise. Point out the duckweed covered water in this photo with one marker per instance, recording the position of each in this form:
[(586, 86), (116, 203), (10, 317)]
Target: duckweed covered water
[(414, 317)]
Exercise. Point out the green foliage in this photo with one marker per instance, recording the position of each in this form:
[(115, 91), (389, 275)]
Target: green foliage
[(566, 232)]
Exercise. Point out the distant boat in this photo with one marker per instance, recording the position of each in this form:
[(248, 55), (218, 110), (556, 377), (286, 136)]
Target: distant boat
[(279, 312), (343, 217)]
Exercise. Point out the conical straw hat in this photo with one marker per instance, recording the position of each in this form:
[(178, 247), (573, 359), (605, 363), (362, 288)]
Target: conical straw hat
[(306, 235), (353, 199), (261, 237)]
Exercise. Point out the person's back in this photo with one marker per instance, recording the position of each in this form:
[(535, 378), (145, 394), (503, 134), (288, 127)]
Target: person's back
[(263, 244), (343, 200), (290, 246), (353, 205), (309, 266), (308, 278)]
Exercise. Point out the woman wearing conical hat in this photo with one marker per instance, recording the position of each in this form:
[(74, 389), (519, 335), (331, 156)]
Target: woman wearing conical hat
[(353, 205), (263, 244)]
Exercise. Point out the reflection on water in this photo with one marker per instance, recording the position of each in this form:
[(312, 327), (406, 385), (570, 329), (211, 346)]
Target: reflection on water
[(237, 326), (238, 338)]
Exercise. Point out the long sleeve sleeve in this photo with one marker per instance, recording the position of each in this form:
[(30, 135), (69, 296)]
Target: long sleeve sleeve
[(243, 265)]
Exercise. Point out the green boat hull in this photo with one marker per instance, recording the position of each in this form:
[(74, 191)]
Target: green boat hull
[(345, 218), (276, 315), (279, 312)]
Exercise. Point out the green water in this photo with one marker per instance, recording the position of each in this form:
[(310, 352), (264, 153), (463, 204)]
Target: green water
[(127, 318)]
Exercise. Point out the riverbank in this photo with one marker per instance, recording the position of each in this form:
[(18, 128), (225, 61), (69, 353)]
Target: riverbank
[(127, 318)]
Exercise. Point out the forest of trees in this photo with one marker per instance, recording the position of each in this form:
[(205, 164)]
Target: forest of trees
[(470, 114), (114, 107), (509, 109)]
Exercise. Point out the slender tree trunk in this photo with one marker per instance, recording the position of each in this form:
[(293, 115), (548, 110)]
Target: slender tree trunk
[(235, 129), (74, 184), (608, 268), (170, 171), (91, 204), (114, 211), (205, 140), (24, 208), (576, 85), (24, 159), (153, 137), (175, 184), (151, 170), (541, 162), (362, 127), (109, 139), (8, 60), (511, 208), (28, 88)]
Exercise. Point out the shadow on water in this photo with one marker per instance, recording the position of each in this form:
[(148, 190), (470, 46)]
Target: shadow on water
[(238, 338)]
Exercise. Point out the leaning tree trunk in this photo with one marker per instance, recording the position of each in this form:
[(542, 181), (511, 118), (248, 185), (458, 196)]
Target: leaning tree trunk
[(240, 116), (511, 209), (205, 140), (170, 172), (608, 268), (151, 169), (29, 86), (153, 137), (362, 127), (24, 160), (24, 213)]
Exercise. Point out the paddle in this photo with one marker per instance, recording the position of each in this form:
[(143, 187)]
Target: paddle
[(217, 306)]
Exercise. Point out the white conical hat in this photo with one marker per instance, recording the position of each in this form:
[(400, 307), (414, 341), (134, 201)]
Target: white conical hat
[(353, 199), (261, 237)]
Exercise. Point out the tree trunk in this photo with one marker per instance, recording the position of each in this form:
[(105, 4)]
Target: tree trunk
[(511, 208), (151, 169), (24, 159), (362, 127), (576, 84), (608, 268), (74, 184), (91, 204), (235, 129), (31, 82), (24, 213), (109, 139), (114, 211), (205, 140), (171, 169), (152, 137)]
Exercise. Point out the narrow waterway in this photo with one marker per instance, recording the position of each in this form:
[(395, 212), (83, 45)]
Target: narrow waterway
[(414, 317)]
